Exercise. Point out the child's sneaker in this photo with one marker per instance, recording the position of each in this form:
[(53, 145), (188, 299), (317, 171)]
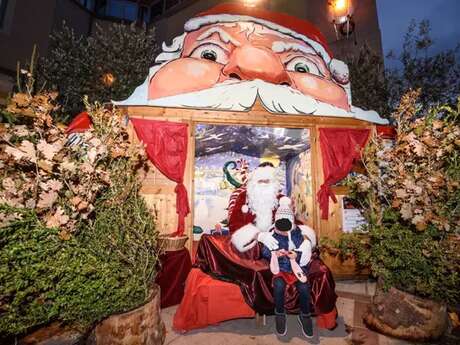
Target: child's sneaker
[(306, 324), (280, 324)]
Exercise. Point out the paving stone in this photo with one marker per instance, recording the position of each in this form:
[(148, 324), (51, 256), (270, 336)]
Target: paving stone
[(360, 309), (364, 336), (346, 309), (384, 340)]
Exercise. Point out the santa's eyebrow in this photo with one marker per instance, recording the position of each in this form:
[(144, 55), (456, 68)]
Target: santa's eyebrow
[(224, 36), (215, 42), (280, 47)]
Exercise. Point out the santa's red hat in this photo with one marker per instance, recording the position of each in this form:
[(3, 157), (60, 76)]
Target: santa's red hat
[(281, 22)]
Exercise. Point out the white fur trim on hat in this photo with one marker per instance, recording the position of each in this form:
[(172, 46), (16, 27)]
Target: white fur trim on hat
[(197, 22), (284, 210), (285, 201), (339, 71)]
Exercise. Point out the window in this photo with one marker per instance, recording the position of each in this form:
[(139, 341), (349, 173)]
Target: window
[(119, 9), (88, 4), (3, 6)]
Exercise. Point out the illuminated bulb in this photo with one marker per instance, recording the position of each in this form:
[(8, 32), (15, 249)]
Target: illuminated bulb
[(108, 79), (340, 5), (250, 3)]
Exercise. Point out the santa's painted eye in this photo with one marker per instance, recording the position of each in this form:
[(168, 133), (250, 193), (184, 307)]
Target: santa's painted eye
[(209, 55), (211, 52), (302, 65)]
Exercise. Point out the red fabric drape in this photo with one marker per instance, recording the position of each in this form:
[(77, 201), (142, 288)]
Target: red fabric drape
[(340, 147), (175, 267), (166, 147)]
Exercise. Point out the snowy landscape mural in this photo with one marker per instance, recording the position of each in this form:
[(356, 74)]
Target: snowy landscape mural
[(217, 145)]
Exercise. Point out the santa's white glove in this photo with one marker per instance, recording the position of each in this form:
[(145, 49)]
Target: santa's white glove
[(305, 250), (268, 240)]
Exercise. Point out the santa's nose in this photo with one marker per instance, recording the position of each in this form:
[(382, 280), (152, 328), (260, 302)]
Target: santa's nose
[(249, 63), (264, 181)]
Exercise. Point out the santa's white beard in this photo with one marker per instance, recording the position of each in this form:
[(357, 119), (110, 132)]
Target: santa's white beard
[(262, 199), (241, 96)]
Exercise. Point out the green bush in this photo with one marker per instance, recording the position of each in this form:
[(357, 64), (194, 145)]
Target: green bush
[(106, 268), (410, 198), (76, 66), (422, 263), (77, 242)]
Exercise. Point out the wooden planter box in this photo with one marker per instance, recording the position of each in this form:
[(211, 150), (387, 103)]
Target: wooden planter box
[(346, 269), (405, 316), (141, 326)]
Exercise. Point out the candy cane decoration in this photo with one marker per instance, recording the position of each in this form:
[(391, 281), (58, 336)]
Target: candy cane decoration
[(232, 200), (243, 171)]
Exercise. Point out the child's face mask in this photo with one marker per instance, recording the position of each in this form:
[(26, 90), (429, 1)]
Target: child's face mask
[(283, 224)]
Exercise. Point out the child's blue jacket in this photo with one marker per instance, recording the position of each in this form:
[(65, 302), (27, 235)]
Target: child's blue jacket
[(283, 241)]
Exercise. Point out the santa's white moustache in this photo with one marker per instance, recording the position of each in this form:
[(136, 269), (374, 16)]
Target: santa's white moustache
[(241, 95)]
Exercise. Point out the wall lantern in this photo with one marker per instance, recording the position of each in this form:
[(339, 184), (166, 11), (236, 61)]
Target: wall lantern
[(340, 12), (108, 79)]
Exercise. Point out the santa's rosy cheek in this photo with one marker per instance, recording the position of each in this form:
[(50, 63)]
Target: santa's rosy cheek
[(321, 89), (182, 76)]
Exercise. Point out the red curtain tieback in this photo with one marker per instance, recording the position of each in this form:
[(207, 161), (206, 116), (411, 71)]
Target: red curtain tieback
[(166, 146), (340, 147)]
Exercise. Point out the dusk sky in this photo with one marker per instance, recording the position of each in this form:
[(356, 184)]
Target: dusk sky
[(395, 16)]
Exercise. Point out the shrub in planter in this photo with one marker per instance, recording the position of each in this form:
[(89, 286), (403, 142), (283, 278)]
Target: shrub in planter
[(342, 255), (410, 197), (411, 200), (77, 243)]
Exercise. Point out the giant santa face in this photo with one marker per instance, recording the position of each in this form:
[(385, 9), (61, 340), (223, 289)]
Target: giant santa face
[(231, 55), (245, 51)]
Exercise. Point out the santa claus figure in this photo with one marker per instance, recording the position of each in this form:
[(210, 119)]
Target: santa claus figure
[(251, 213), (232, 55)]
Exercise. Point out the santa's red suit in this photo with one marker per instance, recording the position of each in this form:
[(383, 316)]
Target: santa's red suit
[(239, 213)]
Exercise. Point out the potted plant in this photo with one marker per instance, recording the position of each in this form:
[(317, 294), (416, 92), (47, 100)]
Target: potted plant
[(411, 201), (77, 241)]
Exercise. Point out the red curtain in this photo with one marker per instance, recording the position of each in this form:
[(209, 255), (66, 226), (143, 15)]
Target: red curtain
[(166, 147), (340, 147)]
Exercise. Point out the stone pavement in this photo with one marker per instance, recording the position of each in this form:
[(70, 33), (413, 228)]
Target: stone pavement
[(352, 302)]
